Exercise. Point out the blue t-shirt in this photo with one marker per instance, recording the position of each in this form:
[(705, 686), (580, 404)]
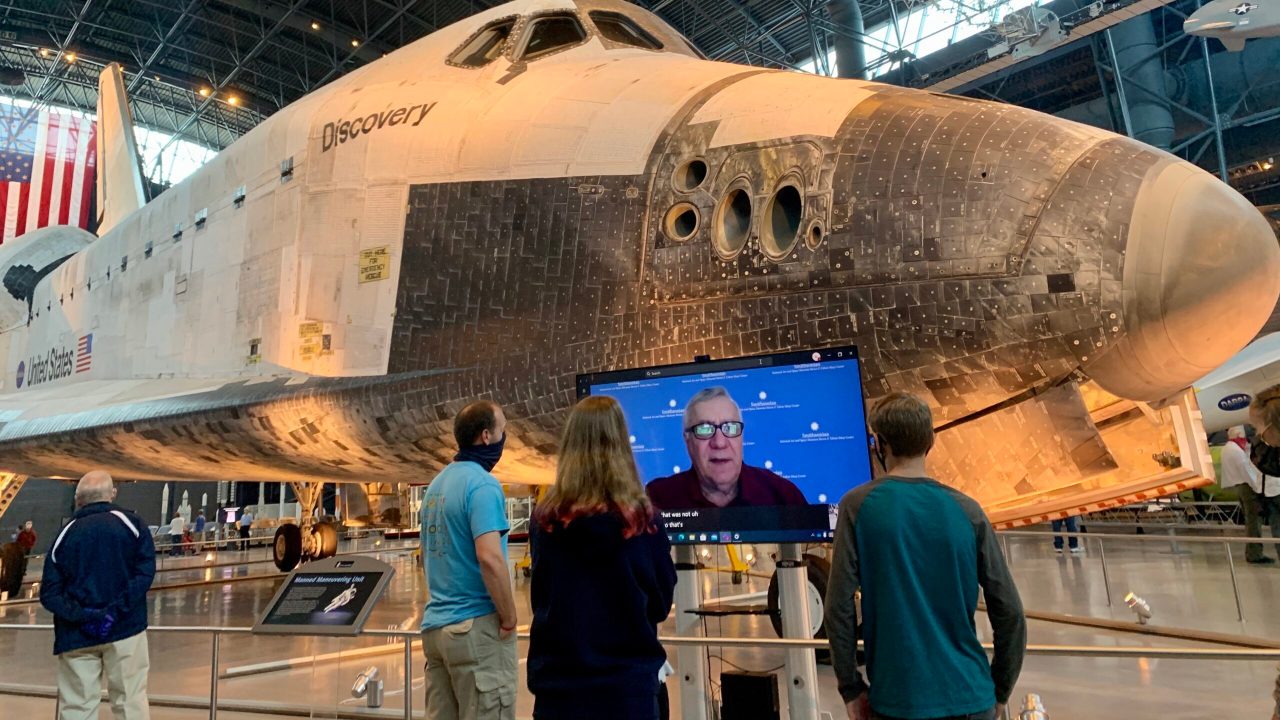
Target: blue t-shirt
[(461, 504)]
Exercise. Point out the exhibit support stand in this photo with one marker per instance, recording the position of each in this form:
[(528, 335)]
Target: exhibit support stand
[(692, 664), (793, 602)]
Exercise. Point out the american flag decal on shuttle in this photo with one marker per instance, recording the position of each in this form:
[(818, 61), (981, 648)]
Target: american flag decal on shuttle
[(84, 353)]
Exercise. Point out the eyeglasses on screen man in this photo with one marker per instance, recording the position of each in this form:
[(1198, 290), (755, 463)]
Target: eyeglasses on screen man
[(704, 431)]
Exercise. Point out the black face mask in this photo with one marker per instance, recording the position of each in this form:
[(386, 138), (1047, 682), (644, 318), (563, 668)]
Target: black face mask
[(486, 456), (879, 450)]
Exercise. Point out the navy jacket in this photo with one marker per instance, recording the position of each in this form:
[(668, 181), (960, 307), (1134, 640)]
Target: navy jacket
[(597, 601), (102, 562)]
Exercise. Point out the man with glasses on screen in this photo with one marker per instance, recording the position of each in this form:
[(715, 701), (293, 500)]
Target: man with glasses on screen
[(713, 431)]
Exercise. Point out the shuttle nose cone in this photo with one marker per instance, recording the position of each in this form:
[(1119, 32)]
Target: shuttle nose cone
[(1201, 277)]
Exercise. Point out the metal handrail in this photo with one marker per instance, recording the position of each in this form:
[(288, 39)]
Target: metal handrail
[(1123, 651), (265, 534), (1142, 538), (1174, 541)]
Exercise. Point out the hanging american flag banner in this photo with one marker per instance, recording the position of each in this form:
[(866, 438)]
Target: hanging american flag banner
[(47, 164)]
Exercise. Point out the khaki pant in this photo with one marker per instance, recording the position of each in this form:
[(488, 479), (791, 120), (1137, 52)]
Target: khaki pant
[(1257, 510), (80, 680), (471, 673)]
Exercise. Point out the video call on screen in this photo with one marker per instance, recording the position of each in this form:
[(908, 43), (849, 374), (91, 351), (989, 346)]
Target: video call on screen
[(803, 421)]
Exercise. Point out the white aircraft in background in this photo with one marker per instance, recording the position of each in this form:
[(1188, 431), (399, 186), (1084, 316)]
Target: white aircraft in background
[(1224, 395), (1234, 21), (554, 187)]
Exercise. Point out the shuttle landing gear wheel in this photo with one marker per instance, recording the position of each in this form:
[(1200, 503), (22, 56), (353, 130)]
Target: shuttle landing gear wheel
[(13, 564), (286, 549), (326, 540), (818, 570)]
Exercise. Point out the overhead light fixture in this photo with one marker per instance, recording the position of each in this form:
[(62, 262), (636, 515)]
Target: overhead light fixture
[(233, 100), (44, 52), (70, 57), (157, 78), (315, 25), (1139, 607), (204, 92), (355, 43)]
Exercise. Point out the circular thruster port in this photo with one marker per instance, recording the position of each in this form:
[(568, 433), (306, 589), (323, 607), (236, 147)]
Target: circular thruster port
[(732, 223), (815, 235), (781, 226), (690, 175), (681, 222)]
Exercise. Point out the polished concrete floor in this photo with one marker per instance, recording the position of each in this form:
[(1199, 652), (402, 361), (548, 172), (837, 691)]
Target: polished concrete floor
[(1189, 591)]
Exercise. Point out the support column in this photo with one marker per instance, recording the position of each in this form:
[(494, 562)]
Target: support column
[(1140, 81), (793, 602), (851, 54), (692, 670)]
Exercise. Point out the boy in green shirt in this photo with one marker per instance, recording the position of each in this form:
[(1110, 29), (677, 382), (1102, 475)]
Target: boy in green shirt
[(919, 551)]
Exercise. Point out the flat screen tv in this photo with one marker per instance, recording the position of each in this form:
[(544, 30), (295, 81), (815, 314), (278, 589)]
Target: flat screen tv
[(749, 449)]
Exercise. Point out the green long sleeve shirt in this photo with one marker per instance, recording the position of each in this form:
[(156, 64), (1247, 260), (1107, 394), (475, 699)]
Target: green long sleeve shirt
[(919, 551)]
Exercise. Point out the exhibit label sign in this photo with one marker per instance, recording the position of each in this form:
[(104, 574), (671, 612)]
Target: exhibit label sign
[(333, 596)]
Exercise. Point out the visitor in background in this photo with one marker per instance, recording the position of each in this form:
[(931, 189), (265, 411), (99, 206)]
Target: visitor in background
[(919, 551), (602, 579), (26, 538), (199, 524), (1264, 454), (1073, 542), (246, 524), (176, 527), (1237, 471)]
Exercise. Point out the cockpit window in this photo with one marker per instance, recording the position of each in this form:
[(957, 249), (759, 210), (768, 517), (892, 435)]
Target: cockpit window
[(485, 45), (551, 33), (694, 49), (623, 30)]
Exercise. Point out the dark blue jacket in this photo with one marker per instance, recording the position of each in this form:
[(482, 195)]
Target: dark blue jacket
[(102, 562), (597, 601)]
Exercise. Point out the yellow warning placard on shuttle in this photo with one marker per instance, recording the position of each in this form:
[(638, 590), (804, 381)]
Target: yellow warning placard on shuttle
[(310, 329), (375, 264)]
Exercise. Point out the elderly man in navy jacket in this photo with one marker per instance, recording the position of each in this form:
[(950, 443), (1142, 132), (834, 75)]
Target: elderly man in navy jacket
[(95, 583)]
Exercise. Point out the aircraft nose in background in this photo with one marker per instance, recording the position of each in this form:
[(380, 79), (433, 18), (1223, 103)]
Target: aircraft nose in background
[(1201, 276)]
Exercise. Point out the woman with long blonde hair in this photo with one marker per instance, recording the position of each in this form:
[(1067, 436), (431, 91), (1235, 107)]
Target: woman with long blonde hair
[(602, 578)]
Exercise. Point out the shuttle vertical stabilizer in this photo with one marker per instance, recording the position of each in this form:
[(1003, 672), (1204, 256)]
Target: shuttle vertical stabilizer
[(119, 165)]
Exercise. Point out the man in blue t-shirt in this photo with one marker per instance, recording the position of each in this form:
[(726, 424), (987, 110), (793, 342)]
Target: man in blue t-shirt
[(468, 627), (919, 551)]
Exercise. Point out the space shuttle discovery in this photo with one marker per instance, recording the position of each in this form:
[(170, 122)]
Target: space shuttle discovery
[(554, 187)]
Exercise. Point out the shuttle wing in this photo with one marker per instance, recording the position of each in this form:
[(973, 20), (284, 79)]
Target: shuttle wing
[(286, 428)]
